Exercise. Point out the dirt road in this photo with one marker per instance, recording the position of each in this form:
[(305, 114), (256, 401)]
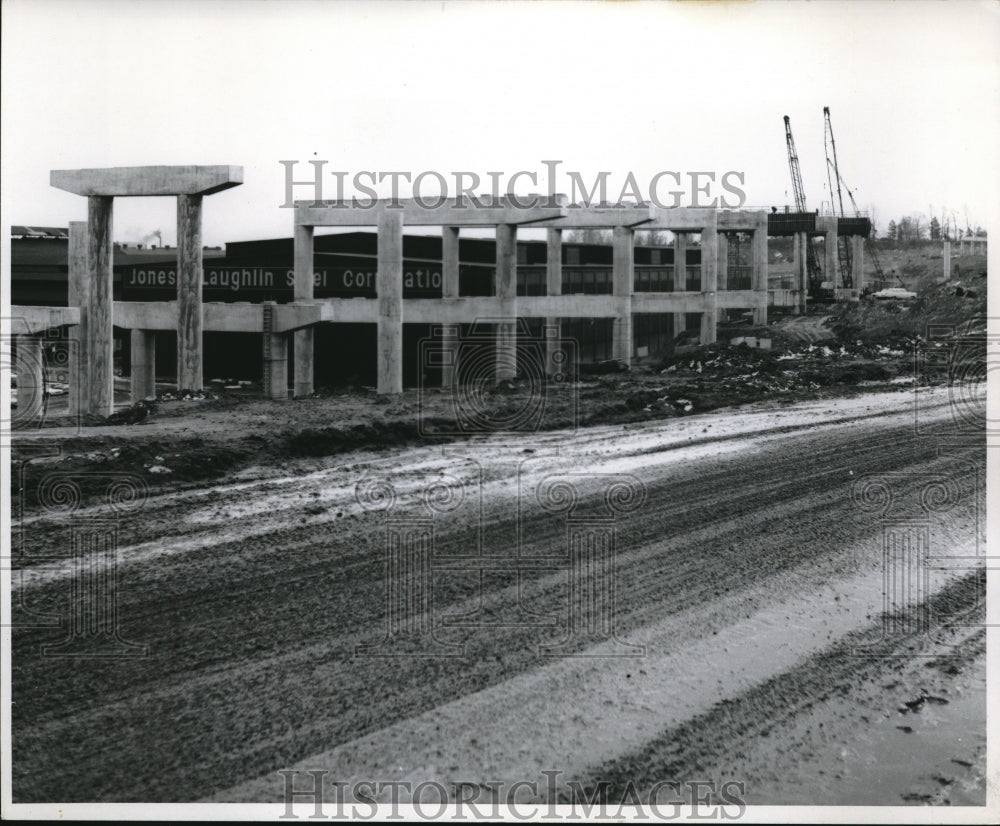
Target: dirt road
[(720, 615)]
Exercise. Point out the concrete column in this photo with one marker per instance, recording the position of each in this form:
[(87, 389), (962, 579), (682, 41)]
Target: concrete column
[(709, 283), (722, 267), (275, 356), (945, 276), (858, 262), (622, 274), (553, 286), (30, 369), (680, 277), (389, 284), (506, 287), (802, 271), (797, 251), (759, 271), (100, 332), (78, 296), (832, 258), (143, 365), (190, 275), (449, 289), (303, 371)]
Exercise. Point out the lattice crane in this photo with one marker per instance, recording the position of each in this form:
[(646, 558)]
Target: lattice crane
[(812, 260), (831, 163)]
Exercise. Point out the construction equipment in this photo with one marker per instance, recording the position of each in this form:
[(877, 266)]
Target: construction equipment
[(831, 164), (812, 260), (869, 245)]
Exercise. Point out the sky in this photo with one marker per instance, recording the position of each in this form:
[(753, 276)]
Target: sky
[(913, 88)]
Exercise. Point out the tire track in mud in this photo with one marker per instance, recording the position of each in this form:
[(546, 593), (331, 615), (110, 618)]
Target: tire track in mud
[(253, 665)]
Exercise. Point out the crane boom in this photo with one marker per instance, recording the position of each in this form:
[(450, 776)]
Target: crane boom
[(812, 260), (831, 162)]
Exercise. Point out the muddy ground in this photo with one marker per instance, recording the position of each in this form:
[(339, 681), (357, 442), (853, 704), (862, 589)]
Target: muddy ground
[(749, 637)]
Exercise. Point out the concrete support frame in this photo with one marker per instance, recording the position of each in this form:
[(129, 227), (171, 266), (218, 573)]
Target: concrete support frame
[(506, 291), (143, 365), (680, 277), (101, 187), (709, 283), (190, 320), (759, 271), (100, 329), (78, 296), (304, 368), (622, 276), (858, 262), (553, 286), (449, 290), (389, 286)]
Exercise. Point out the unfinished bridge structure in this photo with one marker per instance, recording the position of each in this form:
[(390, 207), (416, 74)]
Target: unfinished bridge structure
[(708, 289)]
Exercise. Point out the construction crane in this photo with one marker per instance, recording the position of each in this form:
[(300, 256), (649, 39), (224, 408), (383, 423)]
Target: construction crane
[(812, 260), (831, 165)]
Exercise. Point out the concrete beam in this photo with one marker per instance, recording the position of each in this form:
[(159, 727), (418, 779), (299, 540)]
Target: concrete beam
[(304, 368), (100, 341), (26, 320), (581, 217), (389, 287), (78, 296), (682, 219), (506, 292), (622, 276), (129, 181), (143, 365), (190, 275), (456, 212), (741, 220)]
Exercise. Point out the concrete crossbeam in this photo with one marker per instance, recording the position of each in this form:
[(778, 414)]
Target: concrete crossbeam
[(27, 320), (455, 212), (129, 181), (578, 217)]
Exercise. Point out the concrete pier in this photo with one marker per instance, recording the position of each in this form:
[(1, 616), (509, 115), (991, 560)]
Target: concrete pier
[(680, 277), (389, 286), (143, 365), (832, 256), (709, 283), (622, 275), (759, 271), (449, 290), (303, 354), (78, 296), (506, 291), (30, 368), (189, 286), (801, 272), (553, 286), (275, 356), (858, 261), (100, 341), (946, 255)]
